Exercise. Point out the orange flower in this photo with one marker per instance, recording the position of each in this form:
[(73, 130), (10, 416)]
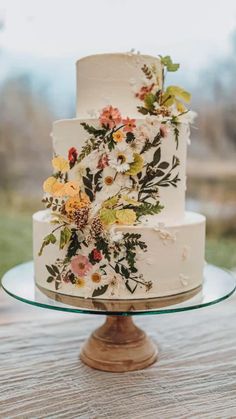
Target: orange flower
[(71, 188), (58, 189), (74, 203), (110, 117), (129, 124), (118, 136), (144, 91)]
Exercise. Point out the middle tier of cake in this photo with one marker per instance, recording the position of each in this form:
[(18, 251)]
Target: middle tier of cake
[(171, 154)]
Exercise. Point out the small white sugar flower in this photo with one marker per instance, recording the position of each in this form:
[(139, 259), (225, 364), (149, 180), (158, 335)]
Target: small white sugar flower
[(115, 235)]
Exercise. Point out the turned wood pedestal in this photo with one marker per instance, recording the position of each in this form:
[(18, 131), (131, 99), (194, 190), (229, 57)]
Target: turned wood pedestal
[(119, 346)]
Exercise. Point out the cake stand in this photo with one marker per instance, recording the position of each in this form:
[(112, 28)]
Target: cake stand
[(119, 345)]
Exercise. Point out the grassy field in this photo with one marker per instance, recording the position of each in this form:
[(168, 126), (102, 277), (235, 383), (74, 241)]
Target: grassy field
[(16, 243)]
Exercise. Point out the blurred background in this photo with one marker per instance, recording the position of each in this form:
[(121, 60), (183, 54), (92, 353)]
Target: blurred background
[(39, 44)]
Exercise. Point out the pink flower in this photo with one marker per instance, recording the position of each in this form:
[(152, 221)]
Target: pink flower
[(103, 162), (129, 124), (80, 265), (164, 131), (110, 117)]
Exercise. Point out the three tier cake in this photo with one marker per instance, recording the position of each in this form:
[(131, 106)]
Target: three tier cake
[(115, 225)]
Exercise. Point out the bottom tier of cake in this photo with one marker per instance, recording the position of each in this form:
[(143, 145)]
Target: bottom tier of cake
[(171, 262)]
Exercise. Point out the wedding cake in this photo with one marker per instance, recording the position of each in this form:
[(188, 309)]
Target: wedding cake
[(115, 225)]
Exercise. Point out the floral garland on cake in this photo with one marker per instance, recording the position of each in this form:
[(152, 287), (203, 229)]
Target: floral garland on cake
[(113, 182)]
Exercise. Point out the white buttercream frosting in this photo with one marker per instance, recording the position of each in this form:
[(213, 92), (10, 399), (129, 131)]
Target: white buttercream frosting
[(107, 76), (163, 265)]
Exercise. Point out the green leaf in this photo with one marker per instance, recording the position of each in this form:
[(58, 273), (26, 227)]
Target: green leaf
[(50, 279), (156, 157), (130, 201), (56, 270), (130, 288), (100, 290), (168, 99), (125, 271), (51, 238), (89, 193), (74, 245), (103, 245), (178, 92), (148, 209), (117, 269), (159, 173), (130, 137), (147, 71), (142, 110), (168, 63), (108, 216), (149, 101), (97, 132), (111, 202), (64, 237), (51, 270), (87, 182), (126, 216), (136, 166), (163, 165), (98, 176)]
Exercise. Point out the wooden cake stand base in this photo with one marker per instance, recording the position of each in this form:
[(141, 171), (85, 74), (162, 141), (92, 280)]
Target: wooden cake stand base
[(119, 346)]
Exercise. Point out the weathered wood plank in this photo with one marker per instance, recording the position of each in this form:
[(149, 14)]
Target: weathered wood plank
[(41, 376)]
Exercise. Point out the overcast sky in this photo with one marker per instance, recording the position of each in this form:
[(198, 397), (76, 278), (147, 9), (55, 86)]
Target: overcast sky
[(193, 32)]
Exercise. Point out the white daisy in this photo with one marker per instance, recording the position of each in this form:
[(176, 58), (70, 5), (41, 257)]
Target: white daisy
[(109, 183), (112, 183), (95, 277), (121, 157)]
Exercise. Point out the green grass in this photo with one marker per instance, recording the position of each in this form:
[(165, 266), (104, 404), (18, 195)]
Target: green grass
[(15, 240), (16, 243), (221, 251)]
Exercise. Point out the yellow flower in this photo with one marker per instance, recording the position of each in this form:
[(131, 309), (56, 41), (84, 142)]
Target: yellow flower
[(76, 202), (71, 188), (80, 282), (60, 164), (49, 183), (126, 216), (118, 136)]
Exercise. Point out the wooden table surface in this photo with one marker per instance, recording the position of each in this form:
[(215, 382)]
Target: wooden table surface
[(42, 377)]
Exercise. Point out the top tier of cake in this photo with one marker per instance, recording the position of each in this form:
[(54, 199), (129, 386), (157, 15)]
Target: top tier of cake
[(106, 79), (118, 86)]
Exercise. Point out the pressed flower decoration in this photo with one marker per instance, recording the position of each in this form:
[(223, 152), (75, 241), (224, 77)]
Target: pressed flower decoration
[(120, 184)]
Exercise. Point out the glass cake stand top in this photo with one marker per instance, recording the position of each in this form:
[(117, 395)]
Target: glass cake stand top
[(218, 284), (119, 345)]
